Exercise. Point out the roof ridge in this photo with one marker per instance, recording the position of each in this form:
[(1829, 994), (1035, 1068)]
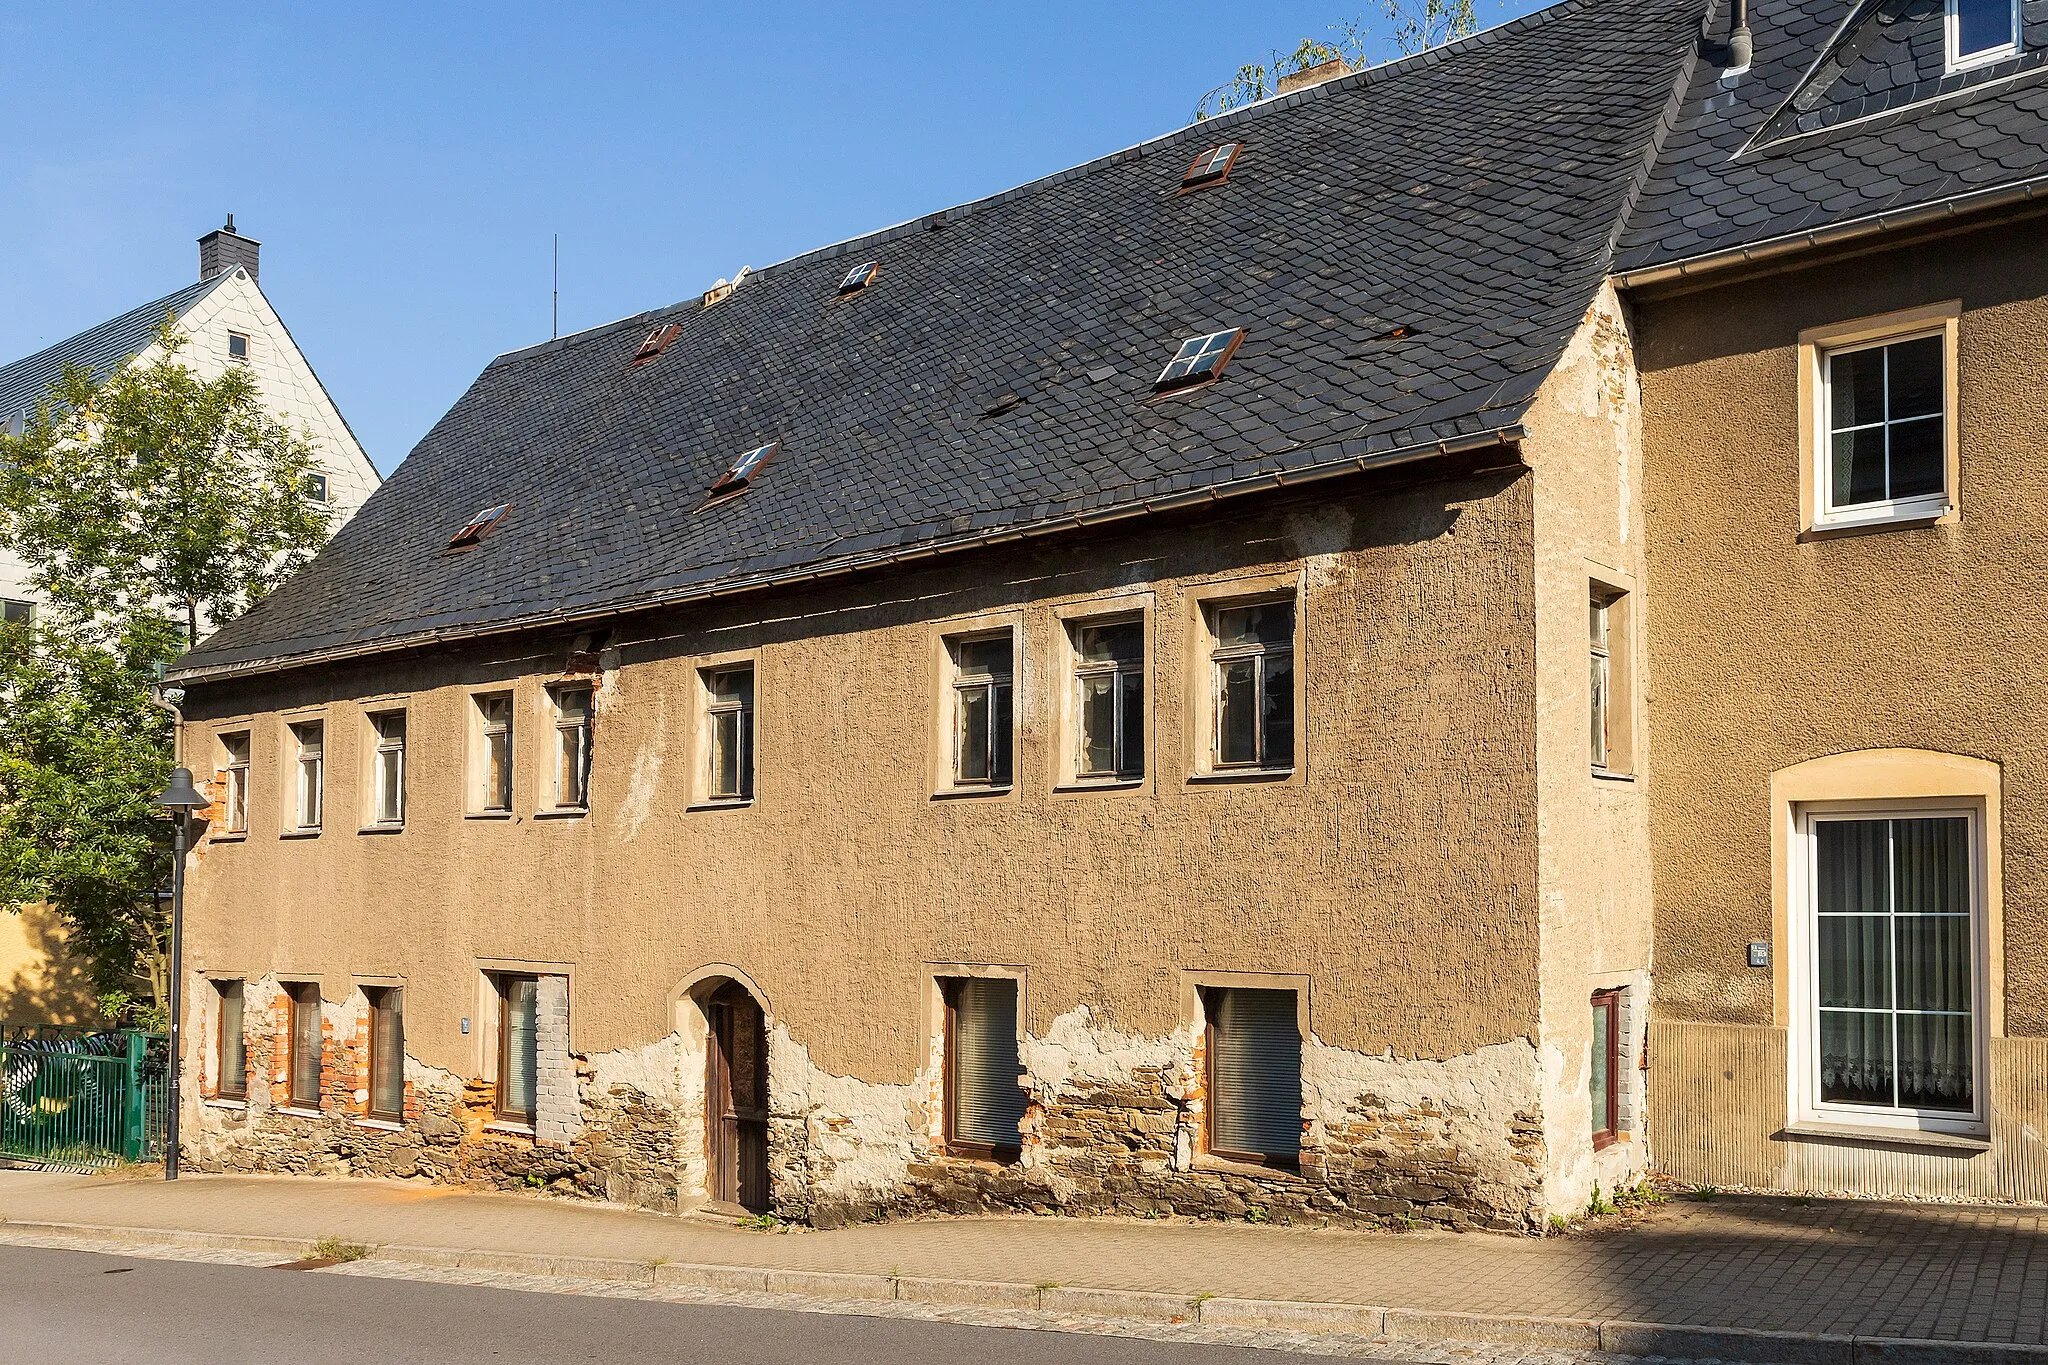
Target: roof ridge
[(1653, 150)]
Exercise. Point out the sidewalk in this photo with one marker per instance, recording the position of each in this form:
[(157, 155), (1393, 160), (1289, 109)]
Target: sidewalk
[(1838, 1268)]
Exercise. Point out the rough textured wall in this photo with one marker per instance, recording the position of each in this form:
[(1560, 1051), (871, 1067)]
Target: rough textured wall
[(1768, 650), (1395, 868)]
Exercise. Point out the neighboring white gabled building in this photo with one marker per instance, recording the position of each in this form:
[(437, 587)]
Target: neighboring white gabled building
[(229, 322)]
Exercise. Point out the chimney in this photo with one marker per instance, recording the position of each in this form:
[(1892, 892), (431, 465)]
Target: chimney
[(224, 248), (1314, 75)]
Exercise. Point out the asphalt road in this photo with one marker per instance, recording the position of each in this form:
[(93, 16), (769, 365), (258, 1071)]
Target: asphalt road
[(72, 1307)]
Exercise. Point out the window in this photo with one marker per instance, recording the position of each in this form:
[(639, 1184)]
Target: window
[(982, 711), (235, 763), (1886, 431), (984, 1102), (17, 613), (231, 1050), (572, 747), (1109, 699), (860, 277), (309, 765), (1611, 740), (740, 472), (314, 486), (1893, 945), (1199, 358), (518, 1056), (656, 342), (730, 723), (238, 346), (1253, 663), (387, 771), (494, 766), (387, 1052), (304, 1075), (1254, 1047), (1981, 31), (1606, 1079), (478, 526), (1212, 166)]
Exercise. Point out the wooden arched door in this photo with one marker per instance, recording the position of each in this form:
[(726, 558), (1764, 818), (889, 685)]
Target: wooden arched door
[(736, 1100)]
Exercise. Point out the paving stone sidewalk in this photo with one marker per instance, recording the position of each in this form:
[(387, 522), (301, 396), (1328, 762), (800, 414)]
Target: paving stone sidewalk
[(1947, 1272)]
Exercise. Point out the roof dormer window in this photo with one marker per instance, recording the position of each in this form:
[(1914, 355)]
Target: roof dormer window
[(1212, 166), (1199, 359), (860, 277), (479, 526), (740, 473), (1981, 32), (657, 341)]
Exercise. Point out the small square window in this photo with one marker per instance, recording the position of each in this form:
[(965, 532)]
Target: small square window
[(479, 526), (1980, 32), (860, 277), (1199, 358), (656, 342), (1212, 166), (238, 346), (983, 729), (741, 472), (314, 487)]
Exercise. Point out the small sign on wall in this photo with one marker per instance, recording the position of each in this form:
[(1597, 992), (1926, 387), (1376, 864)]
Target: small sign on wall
[(1759, 954)]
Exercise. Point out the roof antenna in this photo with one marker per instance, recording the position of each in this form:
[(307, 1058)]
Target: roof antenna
[(556, 328), (1739, 42)]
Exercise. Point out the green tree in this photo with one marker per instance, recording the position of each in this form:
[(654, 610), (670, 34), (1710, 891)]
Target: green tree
[(149, 506), (1418, 26)]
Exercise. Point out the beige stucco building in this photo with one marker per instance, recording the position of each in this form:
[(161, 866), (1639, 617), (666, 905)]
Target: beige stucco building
[(873, 739)]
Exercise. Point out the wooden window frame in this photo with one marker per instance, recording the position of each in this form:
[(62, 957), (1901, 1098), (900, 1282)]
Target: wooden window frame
[(959, 684), (299, 730), (1195, 379), (221, 1089), (868, 271), (950, 988), (1210, 997), (748, 719), (486, 797), (736, 480), (1221, 655), (499, 982), (477, 527), (1608, 1000), (656, 341), (1190, 181), (1116, 670), (581, 728), (382, 743), (235, 769), (293, 991), (374, 996)]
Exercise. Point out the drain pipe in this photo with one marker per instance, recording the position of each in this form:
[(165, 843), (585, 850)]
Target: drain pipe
[(1739, 42)]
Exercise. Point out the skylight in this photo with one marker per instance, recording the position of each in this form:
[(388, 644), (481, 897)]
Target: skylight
[(1211, 166), (657, 341), (480, 525), (860, 277), (738, 474), (1199, 358)]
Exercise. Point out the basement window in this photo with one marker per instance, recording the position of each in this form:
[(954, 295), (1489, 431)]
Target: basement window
[(860, 277), (1254, 1057), (985, 1103), (1199, 359), (657, 341), (479, 526), (387, 1053), (231, 1077), (1212, 167), (740, 473), (303, 1073)]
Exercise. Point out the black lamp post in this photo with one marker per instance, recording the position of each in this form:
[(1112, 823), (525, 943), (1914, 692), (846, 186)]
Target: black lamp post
[(181, 798)]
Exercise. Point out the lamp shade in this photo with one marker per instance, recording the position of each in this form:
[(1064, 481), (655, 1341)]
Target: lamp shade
[(181, 795)]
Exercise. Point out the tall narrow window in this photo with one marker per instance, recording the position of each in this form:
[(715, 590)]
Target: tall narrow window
[(387, 774), (981, 710), (1109, 683), (310, 767), (1894, 980), (1254, 1075), (304, 1085), (572, 747), (1887, 431), (387, 1052), (1253, 660), (984, 1102), (235, 763), (1981, 31), (231, 1049), (518, 1058), (730, 720), (1603, 676), (494, 766), (1605, 1081)]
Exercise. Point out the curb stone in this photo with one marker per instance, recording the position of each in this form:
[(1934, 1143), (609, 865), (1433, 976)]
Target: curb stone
[(1675, 1341)]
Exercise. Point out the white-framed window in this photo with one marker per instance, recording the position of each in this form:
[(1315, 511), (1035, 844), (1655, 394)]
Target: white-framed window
[(572, 747), (1980, 32), (17, 612), (1884, 430), (314, 486), (983, 728), (1887, 979), (493, 781), (1109, 699), (234, 750), (309, 766), (729, 733), (387, 768), (238, 346), (1252, 689)]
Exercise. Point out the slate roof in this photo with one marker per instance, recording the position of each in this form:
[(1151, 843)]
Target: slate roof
[(1845, 113), (102, 349), (1468, 195)]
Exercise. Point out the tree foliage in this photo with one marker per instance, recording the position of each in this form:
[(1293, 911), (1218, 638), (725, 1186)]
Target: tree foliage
[(148, 505), (1418, 25)]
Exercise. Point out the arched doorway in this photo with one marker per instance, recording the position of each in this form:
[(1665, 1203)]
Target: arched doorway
[(736, 1099)]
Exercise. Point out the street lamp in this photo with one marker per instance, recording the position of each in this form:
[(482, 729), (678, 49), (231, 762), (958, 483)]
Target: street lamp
[(181, 798)]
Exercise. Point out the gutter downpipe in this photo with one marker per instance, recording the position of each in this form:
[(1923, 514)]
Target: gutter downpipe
[(174, 1044)]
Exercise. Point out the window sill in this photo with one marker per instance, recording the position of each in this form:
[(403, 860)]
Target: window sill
[(1258, 1170), (1229, 775), (959, 793), (1884, 1137), (300, 834), (1609, 775), (231, 1106), (995, 1157), (509, 1128), (381, 1125), (487, 815), (300, 1111), (398, 828), (240, 836), (562, 813), (1836, 530), (734, 803), (1104, 784)]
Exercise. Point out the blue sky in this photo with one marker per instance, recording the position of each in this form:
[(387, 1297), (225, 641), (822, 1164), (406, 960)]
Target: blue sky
[(405, 166)]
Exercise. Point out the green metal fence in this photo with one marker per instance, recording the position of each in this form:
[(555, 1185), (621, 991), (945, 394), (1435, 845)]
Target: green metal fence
[(71, 1096)]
